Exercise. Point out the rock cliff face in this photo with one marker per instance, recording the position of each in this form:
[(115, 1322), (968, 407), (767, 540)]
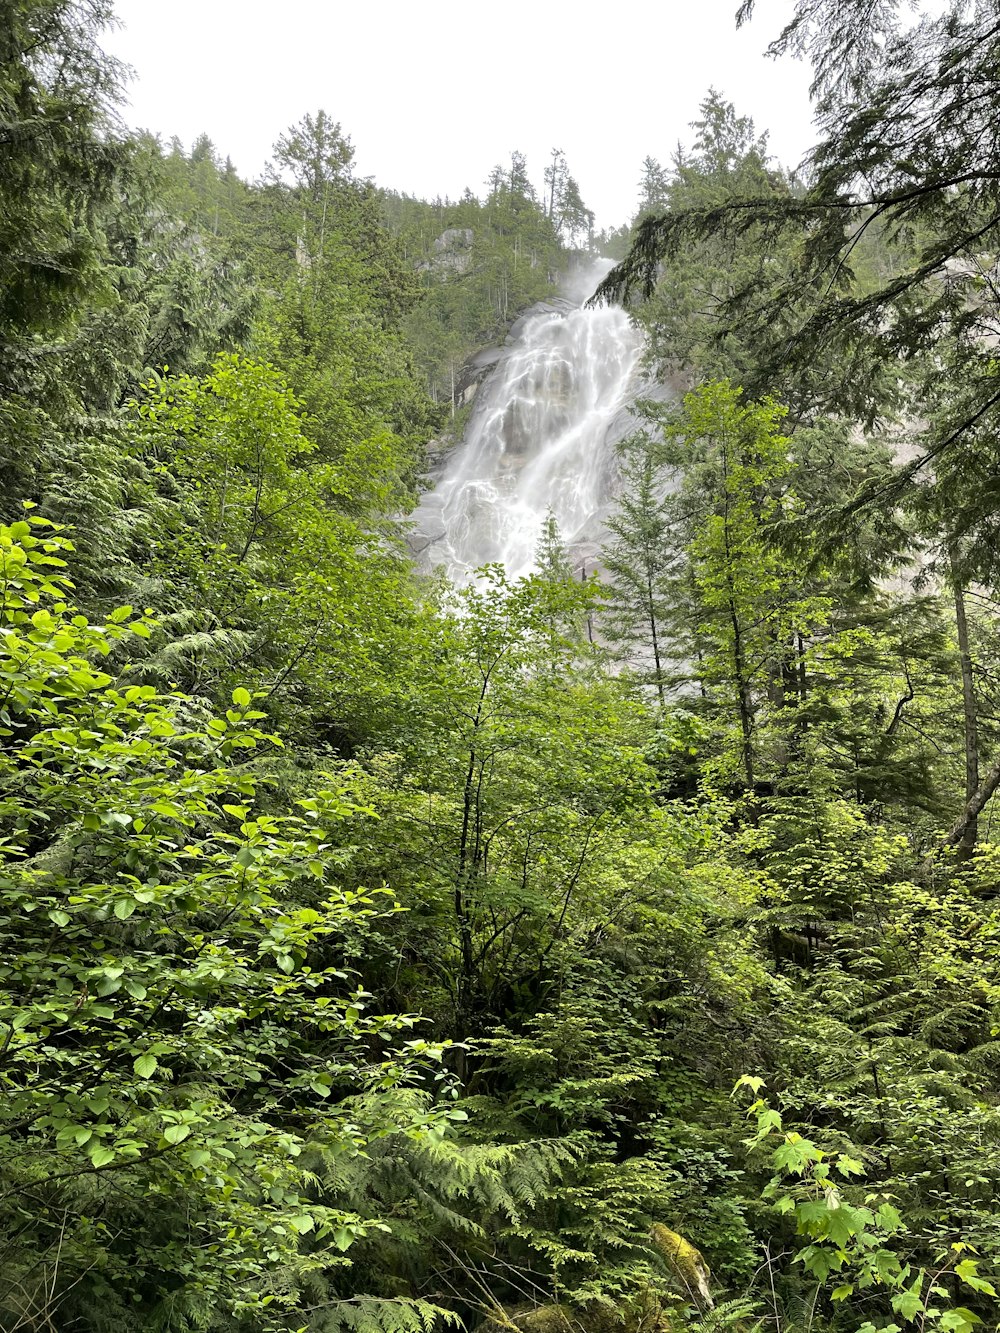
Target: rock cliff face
[(549, 406), (452, 252), (453, 238), (479, 367)]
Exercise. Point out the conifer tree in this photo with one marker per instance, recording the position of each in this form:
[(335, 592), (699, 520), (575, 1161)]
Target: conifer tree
[(654, 188), (643, 560), (60, 159)]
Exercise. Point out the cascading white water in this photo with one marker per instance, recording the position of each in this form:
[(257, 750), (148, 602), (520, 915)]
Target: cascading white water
[(541, 439)]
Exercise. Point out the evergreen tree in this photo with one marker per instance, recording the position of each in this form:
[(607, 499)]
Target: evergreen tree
[(555, 181), (574, 216), (642, 561), (683, 307), (61, 160), (654, 188), (60, 164)]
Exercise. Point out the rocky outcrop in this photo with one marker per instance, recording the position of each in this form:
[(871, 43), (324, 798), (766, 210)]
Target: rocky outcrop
[(453, 238), (452, 252)]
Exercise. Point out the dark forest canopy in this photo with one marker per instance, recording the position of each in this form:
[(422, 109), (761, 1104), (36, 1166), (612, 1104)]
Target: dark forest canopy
[(615, 956)]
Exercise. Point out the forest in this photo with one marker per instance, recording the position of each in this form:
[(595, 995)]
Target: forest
[(616, 954)]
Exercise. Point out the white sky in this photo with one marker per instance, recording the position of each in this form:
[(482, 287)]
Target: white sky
[(433, 94)]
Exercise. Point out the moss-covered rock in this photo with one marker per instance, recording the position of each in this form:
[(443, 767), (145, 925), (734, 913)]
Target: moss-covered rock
[(535, 1319)]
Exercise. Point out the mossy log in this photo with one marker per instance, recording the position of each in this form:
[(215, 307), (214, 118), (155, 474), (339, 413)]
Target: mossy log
[(686, 1262)]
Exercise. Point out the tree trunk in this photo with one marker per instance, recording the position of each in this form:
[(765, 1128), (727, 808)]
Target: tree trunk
[(651, 609), (959, 833), (744, 698), (966, 842)]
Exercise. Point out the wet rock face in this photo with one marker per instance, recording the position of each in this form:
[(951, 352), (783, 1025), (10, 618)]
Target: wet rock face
[(550, 406), (476, 372), (479, 367), (557, 306)]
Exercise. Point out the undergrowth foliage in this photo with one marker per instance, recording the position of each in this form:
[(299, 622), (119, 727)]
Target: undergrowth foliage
[(174, 1032)]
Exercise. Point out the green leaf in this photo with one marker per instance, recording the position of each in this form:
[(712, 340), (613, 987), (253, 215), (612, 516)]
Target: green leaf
[(909, 1303), (768, 1120), (849, 1166), (981, 1285), (750, 1081), (795, 1154), (241, 697), (176, 1133), (145, 1065), (959, 1319), (888, 1218)]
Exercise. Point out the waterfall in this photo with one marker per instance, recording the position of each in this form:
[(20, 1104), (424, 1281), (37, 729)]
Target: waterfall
[(541, 438)]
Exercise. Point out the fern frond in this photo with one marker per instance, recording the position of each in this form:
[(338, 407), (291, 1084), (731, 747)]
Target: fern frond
[(369, 1314)]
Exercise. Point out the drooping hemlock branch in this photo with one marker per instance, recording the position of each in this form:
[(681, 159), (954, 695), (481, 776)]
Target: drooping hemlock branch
[(909, 130)]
